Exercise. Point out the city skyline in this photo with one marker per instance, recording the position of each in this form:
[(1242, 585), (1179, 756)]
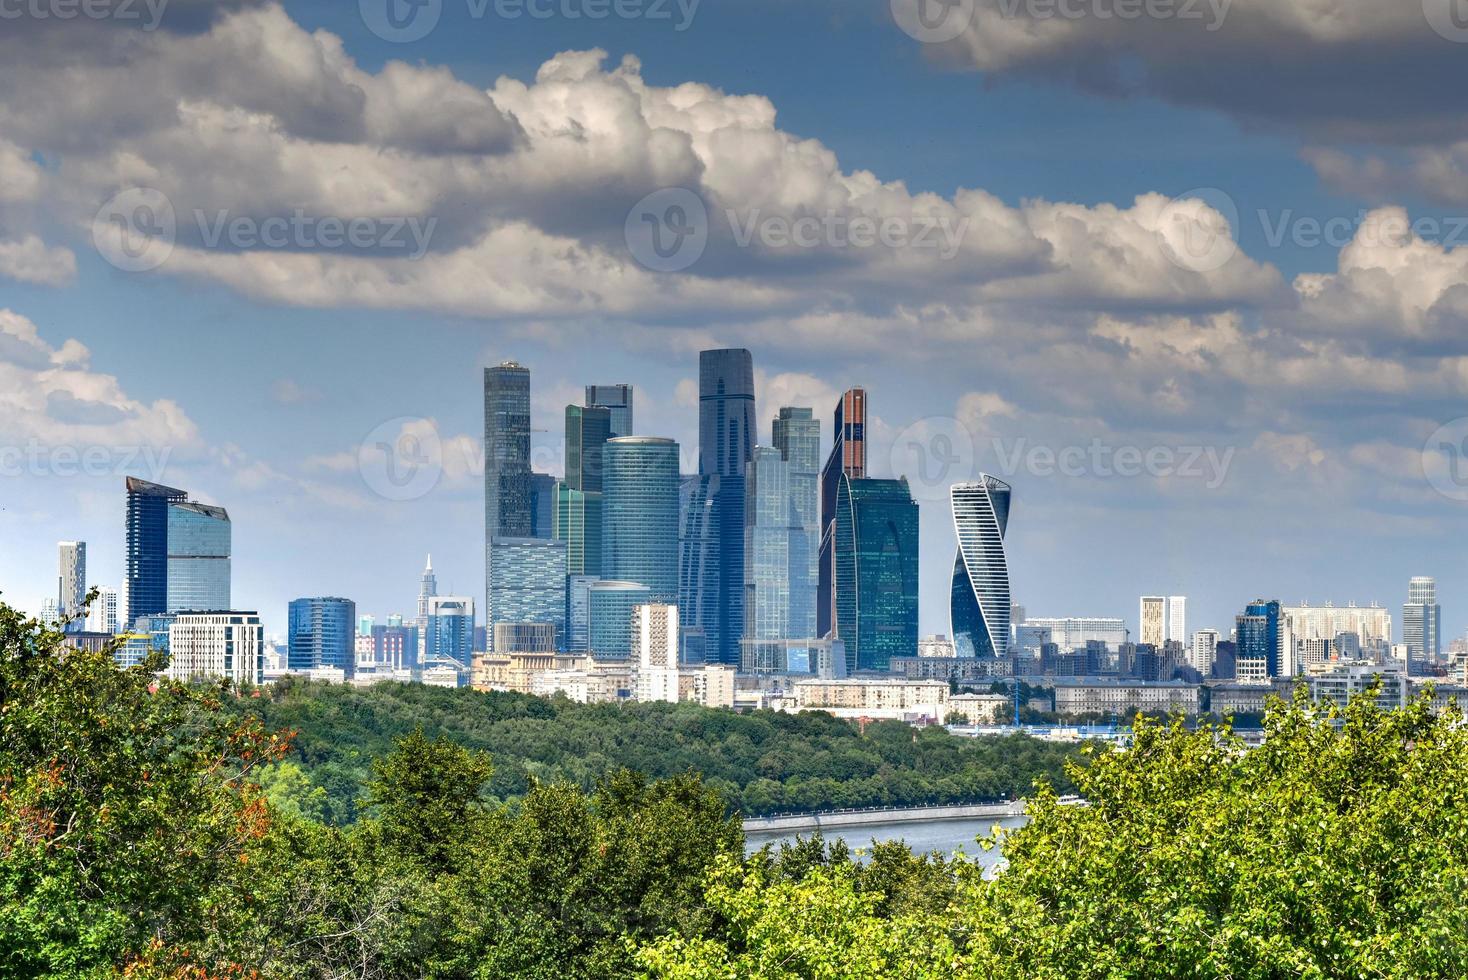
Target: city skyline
[(1295, 387)]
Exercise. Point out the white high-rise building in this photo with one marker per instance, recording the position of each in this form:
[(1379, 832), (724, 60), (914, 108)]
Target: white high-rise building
[(1421, 623), (655, 650), (1074, 632), (228, 644), (1203, 651), (1152, 620), (71, 590), (102, 616), (1177, 618)]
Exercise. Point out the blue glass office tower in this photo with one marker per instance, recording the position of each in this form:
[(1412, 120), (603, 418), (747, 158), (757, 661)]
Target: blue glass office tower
[(198, 557), (448, 636), (980, 605), (578, 500), (542, 505), (617, 400), (527, 584), (797, 435), (726, 436), (876, 572), (1259, 636), (507, 477), (611, 606), (322, 635), (146, 555), (767, 565), (848, 458), (640, 514)]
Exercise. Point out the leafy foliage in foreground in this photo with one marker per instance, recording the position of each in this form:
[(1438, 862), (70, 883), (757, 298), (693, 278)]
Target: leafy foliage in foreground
[(765, 762), (1339, 848), (135, 843)]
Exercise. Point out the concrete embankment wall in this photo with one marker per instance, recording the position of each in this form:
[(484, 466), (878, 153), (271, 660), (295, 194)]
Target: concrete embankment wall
[(801, 822)]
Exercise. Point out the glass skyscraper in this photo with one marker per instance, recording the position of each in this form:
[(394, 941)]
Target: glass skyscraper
[(797, 435), (876, 572), (527, 583), (848, 458), (507, 451), (198, 557), (542, 505), (616, 399), (980, 604), (322, 635), (587, 431), (611, 605), (578, 612), (448, 637), (147, 547), (767, 538), (578, 522), (726, 438), (1259, 636), (1421, 624), (71, 582), (640, 514)]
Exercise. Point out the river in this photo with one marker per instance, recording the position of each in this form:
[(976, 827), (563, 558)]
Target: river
[(944, 836)]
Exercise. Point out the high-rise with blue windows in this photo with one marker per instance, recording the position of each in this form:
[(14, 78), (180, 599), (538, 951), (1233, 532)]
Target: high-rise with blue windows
[(199, 540), (611, 607), (797, 435), (1260, 640), (876, 572), (848, 459), (508, 507), (146, 553), (617, 400), (448, 638), (527, 583), (640, 514), (321, 635), (578, 498), (726, 438), (980, 602)]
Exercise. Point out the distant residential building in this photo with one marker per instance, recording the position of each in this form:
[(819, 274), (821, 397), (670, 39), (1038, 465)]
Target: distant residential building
[(71, 592), (320, 635), (962, 670), (1339, 683), (365, 624), (1152, 620), (980, 709), (1205, 646), (655, 636), (1177, 619), (640, 514), (617, 400), (102, 616), (1074, 632), (216, 644), (1099, 696), (611, 605), (528, 582), (1422, 624), (876, 554), (199, 541), (876, 697), (714, 686), (980, 598)]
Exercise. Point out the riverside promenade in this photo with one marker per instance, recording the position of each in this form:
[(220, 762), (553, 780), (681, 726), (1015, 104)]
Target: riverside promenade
[(795, 823)]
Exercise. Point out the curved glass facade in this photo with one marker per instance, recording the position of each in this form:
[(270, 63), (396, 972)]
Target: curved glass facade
[(980, 605), (640, 514), (612, 604), (876, 572)]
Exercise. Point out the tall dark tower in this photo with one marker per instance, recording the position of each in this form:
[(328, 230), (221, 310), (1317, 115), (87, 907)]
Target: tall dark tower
[(849, 459), (507, 485), (726, 438), (147, 547)]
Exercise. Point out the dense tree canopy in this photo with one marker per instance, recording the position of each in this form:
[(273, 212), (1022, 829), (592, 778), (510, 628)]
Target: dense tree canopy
[(150, 830), (764, 762)]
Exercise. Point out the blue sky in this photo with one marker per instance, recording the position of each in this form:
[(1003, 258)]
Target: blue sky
[(1317, 371)]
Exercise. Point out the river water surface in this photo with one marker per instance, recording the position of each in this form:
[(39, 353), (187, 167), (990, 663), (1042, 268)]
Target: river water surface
[(943, 836)]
